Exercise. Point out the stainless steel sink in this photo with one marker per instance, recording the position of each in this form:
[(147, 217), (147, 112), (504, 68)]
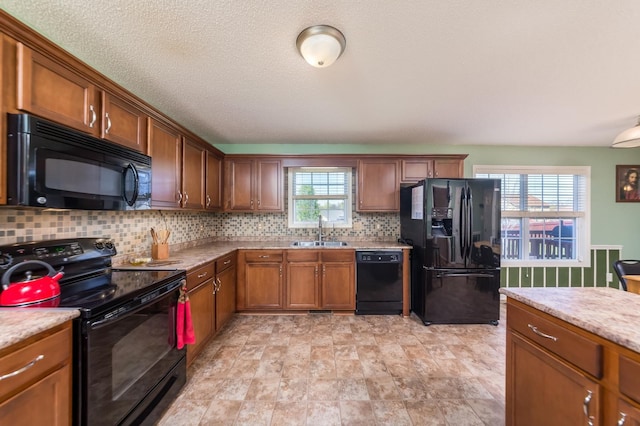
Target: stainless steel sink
[(319, 243), (333, 243)]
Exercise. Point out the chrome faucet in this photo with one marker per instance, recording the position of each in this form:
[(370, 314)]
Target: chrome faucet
[(320, 234)]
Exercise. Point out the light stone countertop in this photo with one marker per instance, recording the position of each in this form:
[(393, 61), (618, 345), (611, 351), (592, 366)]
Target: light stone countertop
[(194, 257), (17, 324), (609, 313)]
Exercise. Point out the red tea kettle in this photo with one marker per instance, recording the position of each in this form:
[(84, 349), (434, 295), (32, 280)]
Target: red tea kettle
[(42, 290)]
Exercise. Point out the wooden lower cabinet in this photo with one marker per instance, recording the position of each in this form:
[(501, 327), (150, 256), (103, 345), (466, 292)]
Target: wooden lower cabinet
[(560, 374), (40, 394), (201, 291), (320, 279), (547, 391), (261, 279), (225, 289), (338, 280)]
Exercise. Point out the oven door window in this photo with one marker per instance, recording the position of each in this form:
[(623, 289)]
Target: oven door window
[(127, 357)]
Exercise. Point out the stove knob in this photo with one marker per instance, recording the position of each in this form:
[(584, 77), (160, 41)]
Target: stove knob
[(99, 245), (109, 244), (5, 260)]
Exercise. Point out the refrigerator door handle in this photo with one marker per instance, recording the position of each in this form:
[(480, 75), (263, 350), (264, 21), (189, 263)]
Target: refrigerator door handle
[(469, 222), (463, 225), (465, 274)]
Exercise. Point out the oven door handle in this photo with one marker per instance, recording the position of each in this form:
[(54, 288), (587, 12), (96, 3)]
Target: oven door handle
[(124, 311)]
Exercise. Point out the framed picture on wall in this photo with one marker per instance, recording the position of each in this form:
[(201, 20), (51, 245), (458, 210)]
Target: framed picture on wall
[(627, 184)]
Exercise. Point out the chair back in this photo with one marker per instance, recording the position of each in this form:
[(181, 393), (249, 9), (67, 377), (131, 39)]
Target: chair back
[(626, 267)]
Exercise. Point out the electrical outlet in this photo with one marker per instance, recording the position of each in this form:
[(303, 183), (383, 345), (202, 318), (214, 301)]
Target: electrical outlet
[(609, 277)]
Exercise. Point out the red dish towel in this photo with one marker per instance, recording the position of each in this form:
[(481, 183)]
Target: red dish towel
[(184, 326)]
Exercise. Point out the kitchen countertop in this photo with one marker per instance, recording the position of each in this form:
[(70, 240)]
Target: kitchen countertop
[(17, 324), (199, 255), (609, 313)]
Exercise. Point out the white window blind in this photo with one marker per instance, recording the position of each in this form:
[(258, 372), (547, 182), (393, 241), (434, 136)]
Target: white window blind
[(319, 191), (545, 219)]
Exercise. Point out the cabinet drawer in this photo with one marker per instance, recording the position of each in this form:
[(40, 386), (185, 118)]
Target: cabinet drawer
[(338, 256), (576, 349), (263, 256), (303, 255), (225, 262), (629, 378), (200, 275), (35, 361)]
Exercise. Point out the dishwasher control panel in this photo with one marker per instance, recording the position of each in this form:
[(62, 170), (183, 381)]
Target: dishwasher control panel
[(378, 257)]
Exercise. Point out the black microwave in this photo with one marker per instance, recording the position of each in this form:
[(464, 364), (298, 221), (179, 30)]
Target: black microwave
[(49, 165)]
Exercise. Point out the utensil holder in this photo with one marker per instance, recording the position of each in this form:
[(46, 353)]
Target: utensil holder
[(160, 251)]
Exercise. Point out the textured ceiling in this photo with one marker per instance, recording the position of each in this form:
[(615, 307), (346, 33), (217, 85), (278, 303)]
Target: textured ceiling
[(491, 72)]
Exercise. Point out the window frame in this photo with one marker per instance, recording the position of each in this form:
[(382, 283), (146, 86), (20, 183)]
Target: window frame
[(348, 198), (582, 224)]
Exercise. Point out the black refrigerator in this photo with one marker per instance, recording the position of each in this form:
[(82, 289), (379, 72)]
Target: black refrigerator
[(454, 228)]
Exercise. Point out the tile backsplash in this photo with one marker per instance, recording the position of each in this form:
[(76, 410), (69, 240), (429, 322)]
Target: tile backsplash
[(130, 230)]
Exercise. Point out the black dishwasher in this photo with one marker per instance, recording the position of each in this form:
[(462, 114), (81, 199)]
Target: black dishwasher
[(378, 282)]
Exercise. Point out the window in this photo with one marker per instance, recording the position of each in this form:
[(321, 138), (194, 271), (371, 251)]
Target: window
[(315, 191), (545, 219)]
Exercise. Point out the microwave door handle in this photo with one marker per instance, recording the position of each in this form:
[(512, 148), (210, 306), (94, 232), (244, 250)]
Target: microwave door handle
[(136, 183)]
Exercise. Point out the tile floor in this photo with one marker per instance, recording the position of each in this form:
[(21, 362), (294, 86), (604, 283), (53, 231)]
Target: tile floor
[(323, 369)]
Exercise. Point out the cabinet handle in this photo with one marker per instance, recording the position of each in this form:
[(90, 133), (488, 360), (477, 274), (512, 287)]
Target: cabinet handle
[(623, 417), (263, 256), (226, 262), (251, 203), (585, 406), (204, 274), (540, 333), (94, 116), (179, 197), (208, 200), (316, 270), (280, 270), (186, 199), (216, 285), (108, 123), (23, 369), (258, 203)]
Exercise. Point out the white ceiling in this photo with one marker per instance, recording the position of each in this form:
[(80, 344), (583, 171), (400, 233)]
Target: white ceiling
[(459, 72)]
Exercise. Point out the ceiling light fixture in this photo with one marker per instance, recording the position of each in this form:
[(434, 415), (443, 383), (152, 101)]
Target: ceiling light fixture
[(630, 138), (321, 45)]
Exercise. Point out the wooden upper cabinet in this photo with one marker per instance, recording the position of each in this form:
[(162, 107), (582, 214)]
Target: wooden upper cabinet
[(123, 123), (239, 184), (416, 169), (165, 149), (269, 185), (213, 182), (50, 90), (378, 185), (253, 184), (193, 175)]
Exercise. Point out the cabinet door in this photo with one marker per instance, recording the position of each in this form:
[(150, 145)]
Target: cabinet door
[(263, 285), (49, 90), (123, 123), (627, 414), (239, 184), (338, 285), (202, 302), (225, 296), (213, 185), (269, 185), (448, 168), (165, 145), (46, 402), (378, 185), (414, 170), (193, 167), (302, 285), (542, 390)]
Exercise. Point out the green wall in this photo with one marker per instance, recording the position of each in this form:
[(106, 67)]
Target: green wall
[(611, 223)]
